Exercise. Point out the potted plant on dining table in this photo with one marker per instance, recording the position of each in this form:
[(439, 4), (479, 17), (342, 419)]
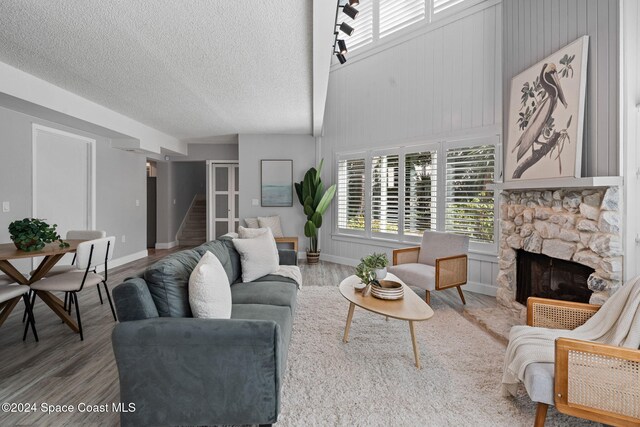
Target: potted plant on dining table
[(32, 234)]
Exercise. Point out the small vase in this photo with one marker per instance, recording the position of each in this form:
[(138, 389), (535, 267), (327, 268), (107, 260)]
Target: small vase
[(381, 273), (367, 290)]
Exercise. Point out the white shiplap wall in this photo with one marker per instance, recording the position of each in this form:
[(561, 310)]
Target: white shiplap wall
[(445, 82)]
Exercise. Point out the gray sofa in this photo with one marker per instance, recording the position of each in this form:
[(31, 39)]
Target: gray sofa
[(179, 370)]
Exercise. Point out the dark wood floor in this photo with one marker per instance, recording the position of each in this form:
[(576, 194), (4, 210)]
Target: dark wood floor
[(62, 370)]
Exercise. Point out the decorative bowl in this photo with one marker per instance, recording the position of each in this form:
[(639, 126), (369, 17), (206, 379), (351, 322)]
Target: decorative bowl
[(388, 290), (359, 286)]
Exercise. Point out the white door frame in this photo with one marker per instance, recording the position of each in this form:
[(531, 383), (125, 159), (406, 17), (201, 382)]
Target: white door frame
[(210, 199), (91, 196)]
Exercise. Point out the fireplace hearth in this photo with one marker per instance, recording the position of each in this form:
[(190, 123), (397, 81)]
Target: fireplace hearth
[(539, 275)]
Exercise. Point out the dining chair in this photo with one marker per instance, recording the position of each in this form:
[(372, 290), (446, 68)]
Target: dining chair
[(89, 256), (57, 269), (440, 262), (10, 296)]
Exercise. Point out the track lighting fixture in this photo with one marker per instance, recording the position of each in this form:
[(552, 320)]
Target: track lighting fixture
[(342, 47), (350, 11), (346, 28), (339, 45)]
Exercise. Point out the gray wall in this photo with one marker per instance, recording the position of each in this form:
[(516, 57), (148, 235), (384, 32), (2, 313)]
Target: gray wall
[(254, 148), (120, 181), (534, 29), (443, 83), (209, 152), (188, 180)]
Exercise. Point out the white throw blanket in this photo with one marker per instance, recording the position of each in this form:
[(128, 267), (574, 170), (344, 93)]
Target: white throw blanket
[(290, 271), (617, 323)]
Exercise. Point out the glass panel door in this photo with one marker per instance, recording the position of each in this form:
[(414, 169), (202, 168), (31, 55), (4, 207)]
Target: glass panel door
[(222, 208)]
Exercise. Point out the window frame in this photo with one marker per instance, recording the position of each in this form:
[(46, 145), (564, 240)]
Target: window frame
[(440, 146)]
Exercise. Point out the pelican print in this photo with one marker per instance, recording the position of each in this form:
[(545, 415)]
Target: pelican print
[(551, 84)]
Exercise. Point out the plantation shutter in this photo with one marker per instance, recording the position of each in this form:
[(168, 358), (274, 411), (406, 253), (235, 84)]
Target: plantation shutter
[(351, 194), (469, 205), (398, 14), (420, 191), (442, 5), (362, 25), (385, 206)]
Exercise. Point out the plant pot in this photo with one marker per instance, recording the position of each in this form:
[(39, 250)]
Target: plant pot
[(32, 242), (381, 273), (313, 257)]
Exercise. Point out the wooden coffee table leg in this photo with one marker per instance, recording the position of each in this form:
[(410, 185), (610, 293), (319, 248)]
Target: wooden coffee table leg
[(416, 353), (349, 317)]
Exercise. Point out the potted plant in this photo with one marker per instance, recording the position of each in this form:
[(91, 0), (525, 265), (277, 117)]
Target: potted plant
[(378, 262), (315, 201), (31, 234)]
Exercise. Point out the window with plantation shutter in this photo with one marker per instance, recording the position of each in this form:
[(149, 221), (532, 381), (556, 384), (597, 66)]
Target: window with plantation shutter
[(442, 5), (351, 194), (398, 14), (362, 25), (420, 191), (385, 186), (469, 206)]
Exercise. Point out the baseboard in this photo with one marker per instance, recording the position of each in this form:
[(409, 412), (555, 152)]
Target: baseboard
[(167, 245), (125, 259), (480, 288)]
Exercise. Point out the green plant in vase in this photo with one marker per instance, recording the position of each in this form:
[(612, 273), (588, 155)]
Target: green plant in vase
[(32, 234), (315, 201)]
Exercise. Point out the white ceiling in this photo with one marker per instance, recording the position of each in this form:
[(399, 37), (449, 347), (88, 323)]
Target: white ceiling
[(190, 68)]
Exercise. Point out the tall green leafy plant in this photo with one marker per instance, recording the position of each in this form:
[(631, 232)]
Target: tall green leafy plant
[(315, 201)]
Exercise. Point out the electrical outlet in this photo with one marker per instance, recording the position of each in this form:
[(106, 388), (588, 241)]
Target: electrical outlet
[(255, 202), (6, 206), (137, 202), (124, 239)]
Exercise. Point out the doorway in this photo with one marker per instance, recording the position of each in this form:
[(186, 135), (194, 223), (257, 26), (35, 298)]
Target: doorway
[(222, 198), (152, 204), (63, 180)]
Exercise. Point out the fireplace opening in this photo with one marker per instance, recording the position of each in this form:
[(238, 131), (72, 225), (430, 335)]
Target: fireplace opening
[(541, 276)]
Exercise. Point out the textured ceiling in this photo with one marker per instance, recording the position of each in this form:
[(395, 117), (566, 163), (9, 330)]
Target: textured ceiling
[(190, 68)]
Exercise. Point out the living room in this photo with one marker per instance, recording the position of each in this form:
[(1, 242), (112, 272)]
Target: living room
[(373, 212)]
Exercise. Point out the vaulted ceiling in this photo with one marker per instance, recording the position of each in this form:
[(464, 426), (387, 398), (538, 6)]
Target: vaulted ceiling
[(192, 69)]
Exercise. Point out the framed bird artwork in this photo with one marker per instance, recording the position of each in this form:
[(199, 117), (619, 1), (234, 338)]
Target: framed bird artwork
[(546, 116)]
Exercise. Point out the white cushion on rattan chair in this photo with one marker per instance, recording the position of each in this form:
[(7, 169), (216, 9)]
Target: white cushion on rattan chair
[(413, 274), (66, 282), (538, 380), (436, 244), (6, 280), (8, 292)]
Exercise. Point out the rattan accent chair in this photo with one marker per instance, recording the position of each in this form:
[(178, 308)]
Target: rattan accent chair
[(588, 380), (440, 262)]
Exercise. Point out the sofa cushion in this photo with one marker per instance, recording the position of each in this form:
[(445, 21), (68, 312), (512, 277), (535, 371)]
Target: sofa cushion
[(258, 255), (414, 274), (281, 315), (168, 282), (281, 293), (234, 258), (221, 251), (538, 380), (209, 292)]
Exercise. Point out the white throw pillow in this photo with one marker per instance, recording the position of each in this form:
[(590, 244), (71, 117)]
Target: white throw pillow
[(250, 233), (251, 222), (258, 256), (209, 290), (272, 222)]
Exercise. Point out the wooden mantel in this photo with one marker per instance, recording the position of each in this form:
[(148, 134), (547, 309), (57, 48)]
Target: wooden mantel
[(554, 183)]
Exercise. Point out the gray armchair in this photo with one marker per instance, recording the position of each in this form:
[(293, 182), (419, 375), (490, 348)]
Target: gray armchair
[(440, 262)]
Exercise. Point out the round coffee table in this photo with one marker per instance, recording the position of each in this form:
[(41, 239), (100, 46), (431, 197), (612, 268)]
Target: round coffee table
[(410, 308)]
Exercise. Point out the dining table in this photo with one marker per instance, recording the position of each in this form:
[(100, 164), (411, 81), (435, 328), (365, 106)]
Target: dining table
[(52, 253)]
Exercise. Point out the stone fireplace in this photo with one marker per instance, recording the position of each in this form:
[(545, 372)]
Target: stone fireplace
[(578, 225)]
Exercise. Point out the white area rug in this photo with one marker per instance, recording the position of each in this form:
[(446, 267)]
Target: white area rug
[(372, 380)]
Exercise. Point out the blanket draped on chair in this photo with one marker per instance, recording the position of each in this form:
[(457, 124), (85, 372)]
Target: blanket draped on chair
[(617, 323)]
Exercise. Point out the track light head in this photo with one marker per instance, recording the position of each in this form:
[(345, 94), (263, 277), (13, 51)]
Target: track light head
[(354, 2), (346, 28), (341, 58), (350, 11), (342, 47)]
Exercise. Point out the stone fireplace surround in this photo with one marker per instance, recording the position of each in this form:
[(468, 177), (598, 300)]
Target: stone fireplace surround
[(578, 224)]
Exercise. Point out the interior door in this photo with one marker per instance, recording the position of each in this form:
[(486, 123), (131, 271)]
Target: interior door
[(224, 199), (63, 179)]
